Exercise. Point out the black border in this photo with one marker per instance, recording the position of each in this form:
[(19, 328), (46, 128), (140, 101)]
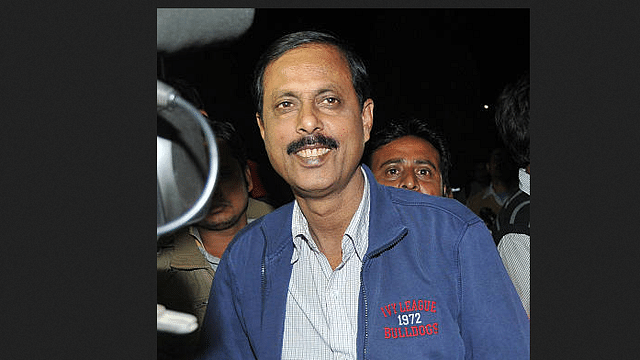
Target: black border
[(77, 175)]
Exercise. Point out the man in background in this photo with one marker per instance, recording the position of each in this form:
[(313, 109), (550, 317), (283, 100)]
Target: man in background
[(187, 259), (408, 154), (503, 183), (512, 225)]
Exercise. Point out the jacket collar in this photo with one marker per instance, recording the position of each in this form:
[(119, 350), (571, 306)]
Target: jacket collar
[(385, 224), (386, 227)]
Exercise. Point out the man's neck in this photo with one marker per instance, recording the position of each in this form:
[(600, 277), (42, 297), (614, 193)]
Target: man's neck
[(216, 241), (499, 187), (329, 217)]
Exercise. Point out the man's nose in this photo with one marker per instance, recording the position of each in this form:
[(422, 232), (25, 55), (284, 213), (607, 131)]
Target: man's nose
[(308, 120), (409, 181)]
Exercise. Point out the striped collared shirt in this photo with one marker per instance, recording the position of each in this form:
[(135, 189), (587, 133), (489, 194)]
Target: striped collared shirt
[(525, 181), (515, 252), (321, 319)]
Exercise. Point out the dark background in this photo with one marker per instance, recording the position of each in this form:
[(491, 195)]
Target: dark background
[(440, 64)]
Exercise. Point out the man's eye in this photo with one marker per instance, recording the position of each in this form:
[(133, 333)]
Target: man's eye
[(392, 172), (331, 100), (284, 104), (424, 172)]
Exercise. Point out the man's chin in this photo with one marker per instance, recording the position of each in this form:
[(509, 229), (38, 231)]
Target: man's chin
[(219, 221), (218, 225)]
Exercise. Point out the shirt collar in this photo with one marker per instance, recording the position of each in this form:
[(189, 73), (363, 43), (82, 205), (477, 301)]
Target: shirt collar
[(525, 181), (193, 231), (499, 198), (357, 232), (358, 229)]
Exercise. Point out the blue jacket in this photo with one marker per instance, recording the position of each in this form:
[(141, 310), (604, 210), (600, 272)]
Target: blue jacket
[(429, 258)]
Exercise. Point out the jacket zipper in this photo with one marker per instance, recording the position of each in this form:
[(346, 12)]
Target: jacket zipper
[(364, 294), (366, 311), (263, 275)]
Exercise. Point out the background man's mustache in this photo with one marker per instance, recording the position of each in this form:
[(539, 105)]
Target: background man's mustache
[(328, 142)]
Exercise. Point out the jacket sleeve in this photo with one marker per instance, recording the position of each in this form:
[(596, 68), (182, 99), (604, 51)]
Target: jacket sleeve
[(493, 323), (224, 334)]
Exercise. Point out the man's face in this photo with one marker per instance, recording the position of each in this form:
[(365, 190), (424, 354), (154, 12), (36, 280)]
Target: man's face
[(312, 126), (410, 163), (231, 196)]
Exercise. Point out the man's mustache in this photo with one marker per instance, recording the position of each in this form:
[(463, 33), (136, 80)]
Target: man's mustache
[(311, 140)]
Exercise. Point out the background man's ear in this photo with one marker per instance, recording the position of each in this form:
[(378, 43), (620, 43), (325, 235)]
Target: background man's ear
[(247, 176)]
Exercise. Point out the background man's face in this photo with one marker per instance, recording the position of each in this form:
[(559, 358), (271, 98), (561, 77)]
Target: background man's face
[(231, 196), (410, 163), (308, 91)]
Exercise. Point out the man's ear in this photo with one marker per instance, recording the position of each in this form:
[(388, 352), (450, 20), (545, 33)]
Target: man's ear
[(260, 125), (247, 177), (367, 118)]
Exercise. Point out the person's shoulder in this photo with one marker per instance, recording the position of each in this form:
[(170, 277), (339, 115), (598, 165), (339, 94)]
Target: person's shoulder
[(515, 210), (274, 216), (177, 248), (173, 239), (268, 224), (428, 205), (257, 208), (517, 196)]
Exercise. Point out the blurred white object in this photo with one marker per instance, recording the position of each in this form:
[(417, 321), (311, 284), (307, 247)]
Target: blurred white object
[(180, 29), (175, 322), (186, 174)]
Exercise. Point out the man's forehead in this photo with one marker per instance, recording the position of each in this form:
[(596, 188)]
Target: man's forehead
[(410, 148), (414, 141)]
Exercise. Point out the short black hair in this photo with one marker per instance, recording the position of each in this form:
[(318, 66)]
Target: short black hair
[(359, 75), (416, 127), (512, 119)]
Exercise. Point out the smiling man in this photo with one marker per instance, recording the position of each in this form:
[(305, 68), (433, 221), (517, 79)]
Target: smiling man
[(408, 154), (352, 269)]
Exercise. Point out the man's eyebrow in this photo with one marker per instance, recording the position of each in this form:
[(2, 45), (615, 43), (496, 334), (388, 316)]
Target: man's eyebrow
[(279, 94), (326, 90), (426, 162), (393, 161), (294, 94)]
